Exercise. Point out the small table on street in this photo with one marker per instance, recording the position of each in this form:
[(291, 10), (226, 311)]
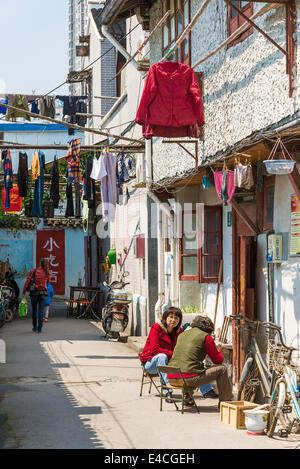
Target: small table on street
[(87, 299)]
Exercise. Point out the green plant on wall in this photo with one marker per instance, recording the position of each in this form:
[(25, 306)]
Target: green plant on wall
[(62, 167), (28, 200), (190, 309)]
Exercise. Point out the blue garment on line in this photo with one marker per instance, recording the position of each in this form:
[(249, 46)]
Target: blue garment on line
[(37, 209), (3, 110)]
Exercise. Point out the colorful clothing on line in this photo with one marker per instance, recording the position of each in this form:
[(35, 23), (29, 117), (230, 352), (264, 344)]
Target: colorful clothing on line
[(37, 209), (8, 175), (73, 160), (224, 182), (23, 174), (3, 110), (22, 106)]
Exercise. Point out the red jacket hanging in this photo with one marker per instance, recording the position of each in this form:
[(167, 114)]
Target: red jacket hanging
[(171, 99)]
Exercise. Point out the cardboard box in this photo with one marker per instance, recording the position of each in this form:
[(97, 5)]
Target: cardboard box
[(231, 413)]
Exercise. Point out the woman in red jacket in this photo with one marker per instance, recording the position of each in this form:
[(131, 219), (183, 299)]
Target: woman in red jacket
[(38, 293), (161, 342)]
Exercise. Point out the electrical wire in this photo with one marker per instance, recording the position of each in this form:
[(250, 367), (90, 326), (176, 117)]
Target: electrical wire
[(88, 66)]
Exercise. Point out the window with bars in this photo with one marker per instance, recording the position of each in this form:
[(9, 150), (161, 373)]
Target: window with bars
[(200, 261), (235, 20), (179, 19)]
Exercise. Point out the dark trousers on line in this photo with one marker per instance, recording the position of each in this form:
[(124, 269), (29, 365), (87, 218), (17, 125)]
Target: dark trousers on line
[(37, 304)]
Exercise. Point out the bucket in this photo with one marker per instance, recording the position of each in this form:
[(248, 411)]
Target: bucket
[(256, 421)]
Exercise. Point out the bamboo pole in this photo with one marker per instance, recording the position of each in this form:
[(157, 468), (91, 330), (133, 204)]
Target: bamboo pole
[(187, 29), (256, 27), (239, 31), (72, 126), (159, 24), (218, 290)]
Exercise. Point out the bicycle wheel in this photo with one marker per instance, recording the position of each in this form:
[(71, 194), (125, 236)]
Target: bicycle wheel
[(248, 388), (277, 403)]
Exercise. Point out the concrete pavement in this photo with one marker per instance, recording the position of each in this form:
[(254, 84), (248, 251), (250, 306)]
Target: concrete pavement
[(71, 388)]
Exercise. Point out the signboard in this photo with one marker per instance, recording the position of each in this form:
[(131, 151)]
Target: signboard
[(50, 244), (295, 227), (15, 200)]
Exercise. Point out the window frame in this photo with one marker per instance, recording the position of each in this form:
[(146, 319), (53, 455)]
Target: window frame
[(234, 23), (200, 276), (179, 53)]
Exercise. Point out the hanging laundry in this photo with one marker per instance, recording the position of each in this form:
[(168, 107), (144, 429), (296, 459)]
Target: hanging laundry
[(139, 168), (131, 167), (85, 214), (89, 183), (206, 182), (224, 183), (243, 176), (34, 106), (23, 174), (20, 103), (35, 166), (77, 199), (70, 205), (54, 188), (15, 201), (3, 110), (70, 104), (8, 175), (95, 173), (46, 106), (81, 107), (123, 175), (37, 209), (105, 172), (73, 160), (171, 103)]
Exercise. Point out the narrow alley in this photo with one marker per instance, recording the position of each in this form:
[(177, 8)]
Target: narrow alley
[(71, 388)]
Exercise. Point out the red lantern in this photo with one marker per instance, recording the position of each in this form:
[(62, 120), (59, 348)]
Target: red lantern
[(15, 200)]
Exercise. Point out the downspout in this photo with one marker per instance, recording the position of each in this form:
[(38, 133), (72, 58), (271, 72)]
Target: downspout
[(112, 109), (161, 304), (118, 46)]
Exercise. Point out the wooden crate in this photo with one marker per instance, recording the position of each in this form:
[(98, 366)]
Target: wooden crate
[(231, 413)]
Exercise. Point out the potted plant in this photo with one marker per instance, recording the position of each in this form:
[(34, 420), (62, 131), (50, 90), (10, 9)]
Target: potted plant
[(28, 203)]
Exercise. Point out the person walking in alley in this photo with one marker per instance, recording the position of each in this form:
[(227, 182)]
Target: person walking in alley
[(48, 301), (161, 342), (36, 284), (189, 354)]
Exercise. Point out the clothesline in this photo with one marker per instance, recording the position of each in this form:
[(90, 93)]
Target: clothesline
[(73, 126)]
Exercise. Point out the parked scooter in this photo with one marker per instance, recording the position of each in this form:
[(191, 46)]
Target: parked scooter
[(5, 313), (13, 299), (115, 312)]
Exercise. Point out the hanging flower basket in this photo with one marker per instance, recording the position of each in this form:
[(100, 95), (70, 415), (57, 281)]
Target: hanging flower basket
[(282, 166)]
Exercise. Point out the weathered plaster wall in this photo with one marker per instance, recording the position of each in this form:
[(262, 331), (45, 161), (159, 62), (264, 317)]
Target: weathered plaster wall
[(245, 86), (286, 275), (204, 295)]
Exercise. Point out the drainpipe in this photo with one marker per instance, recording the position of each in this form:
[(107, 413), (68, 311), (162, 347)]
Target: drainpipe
[(161, 304), (112, 109), (118, 46)]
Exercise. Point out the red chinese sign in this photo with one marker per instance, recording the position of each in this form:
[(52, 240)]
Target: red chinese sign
[(50, 244), (14, 199)]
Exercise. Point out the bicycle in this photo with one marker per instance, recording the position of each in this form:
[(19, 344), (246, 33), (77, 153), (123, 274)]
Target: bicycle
[(285, 399), (255, 372)]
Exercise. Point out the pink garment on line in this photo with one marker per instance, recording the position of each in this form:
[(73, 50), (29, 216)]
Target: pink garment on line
[(218, 177)]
